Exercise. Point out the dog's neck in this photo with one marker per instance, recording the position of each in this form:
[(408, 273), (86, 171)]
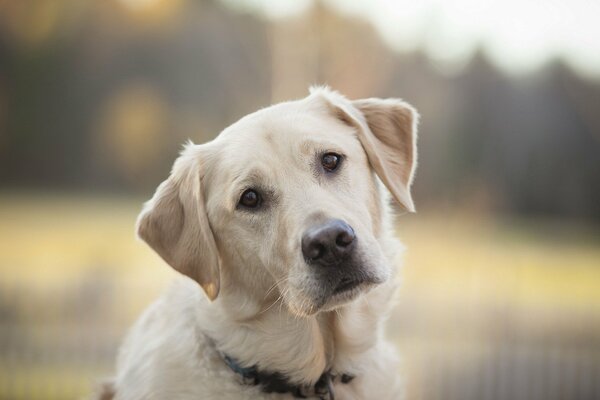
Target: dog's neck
[(301, 348)]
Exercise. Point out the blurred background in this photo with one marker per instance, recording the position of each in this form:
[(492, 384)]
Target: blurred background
[(501, 284)]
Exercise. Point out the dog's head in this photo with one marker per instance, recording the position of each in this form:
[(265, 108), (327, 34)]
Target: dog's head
[(285, 202)]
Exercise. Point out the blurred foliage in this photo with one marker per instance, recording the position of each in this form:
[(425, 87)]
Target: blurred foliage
[(98, 96)]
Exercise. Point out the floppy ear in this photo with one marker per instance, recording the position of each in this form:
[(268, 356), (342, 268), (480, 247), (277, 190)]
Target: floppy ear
[(175, 225), (387, 130)]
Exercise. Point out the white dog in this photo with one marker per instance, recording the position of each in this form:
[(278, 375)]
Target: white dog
[(282, 220)]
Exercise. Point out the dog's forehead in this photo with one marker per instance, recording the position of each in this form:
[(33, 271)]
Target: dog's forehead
[(281, 130)]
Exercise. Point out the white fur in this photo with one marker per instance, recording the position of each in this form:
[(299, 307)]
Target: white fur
[(172, 352)]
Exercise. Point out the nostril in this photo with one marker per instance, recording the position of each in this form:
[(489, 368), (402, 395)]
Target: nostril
[(315, 251), (345, 238)]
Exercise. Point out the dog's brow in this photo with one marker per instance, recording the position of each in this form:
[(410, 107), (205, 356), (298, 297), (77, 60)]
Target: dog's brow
[(310, 145), (245, 178)]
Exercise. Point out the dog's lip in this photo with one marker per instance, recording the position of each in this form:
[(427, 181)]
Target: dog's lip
[(347, 289), (347, 284)]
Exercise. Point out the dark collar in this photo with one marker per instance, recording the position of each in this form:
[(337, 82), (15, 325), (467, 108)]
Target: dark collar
[(276, 382)]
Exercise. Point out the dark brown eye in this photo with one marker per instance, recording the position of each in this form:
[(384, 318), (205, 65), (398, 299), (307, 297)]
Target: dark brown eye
[(250, 199), (330, 161)]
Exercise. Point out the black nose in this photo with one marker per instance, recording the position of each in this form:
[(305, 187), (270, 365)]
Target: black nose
[(328, 243)]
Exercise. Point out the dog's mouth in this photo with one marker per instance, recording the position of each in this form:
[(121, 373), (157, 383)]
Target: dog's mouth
[(347, 289), (333, 291), (347, 284)]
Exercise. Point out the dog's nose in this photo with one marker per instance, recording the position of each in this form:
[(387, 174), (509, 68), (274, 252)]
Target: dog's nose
[(328, 243)]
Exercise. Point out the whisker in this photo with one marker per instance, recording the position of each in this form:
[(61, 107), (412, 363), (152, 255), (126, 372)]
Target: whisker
[(275, 285), (272, 304)]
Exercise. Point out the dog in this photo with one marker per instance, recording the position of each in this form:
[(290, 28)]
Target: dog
[(283, 225)]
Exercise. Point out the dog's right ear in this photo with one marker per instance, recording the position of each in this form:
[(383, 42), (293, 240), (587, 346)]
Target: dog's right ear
[(175, 225)]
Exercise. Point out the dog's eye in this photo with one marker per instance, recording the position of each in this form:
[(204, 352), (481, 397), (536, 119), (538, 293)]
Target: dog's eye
[(250, 199), (330, 161)]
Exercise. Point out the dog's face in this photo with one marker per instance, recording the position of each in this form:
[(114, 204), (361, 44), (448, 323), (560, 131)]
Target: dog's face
[(291, 191), (286, 202)]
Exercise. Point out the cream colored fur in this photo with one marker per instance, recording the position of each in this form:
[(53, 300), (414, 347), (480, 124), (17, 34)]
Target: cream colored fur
[(258, 303)]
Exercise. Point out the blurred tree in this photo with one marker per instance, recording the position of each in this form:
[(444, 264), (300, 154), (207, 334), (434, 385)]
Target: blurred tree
[(99, 95)]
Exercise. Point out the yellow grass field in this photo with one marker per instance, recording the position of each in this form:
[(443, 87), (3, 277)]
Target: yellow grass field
[(73, 277)]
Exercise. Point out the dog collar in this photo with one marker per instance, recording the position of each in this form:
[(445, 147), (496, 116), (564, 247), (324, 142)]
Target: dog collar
[(276, 382)]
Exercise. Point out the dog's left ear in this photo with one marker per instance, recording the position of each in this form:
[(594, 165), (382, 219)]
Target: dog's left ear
[(387, 130)]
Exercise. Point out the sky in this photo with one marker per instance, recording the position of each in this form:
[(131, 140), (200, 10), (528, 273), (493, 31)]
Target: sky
[(519, 36)]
